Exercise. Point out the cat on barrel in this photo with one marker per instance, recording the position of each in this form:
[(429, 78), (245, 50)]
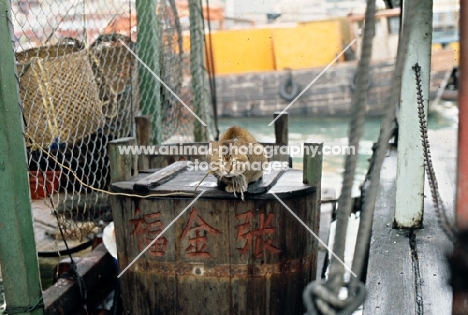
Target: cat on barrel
[(236, 160)]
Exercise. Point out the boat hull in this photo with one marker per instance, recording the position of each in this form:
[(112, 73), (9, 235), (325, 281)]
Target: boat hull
[(258, 94)]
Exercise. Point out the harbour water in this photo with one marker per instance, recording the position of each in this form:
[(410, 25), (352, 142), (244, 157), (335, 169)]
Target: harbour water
[(333, 132)]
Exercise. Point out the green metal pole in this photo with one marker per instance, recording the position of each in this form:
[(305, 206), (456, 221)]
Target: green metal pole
[(148, 52), (18, 257), (197, 63)]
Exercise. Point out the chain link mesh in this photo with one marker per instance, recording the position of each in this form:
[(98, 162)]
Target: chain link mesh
[(175, 72), (79, 89)]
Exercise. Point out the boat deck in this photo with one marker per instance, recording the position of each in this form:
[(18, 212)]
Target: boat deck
[(407, 270)]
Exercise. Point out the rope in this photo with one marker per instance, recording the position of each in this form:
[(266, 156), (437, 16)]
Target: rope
[(68, 251), (365, 224), (327, 301), (322, 297), (356, 129)]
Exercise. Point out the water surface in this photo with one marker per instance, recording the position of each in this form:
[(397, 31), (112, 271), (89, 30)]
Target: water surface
[(333, 132)]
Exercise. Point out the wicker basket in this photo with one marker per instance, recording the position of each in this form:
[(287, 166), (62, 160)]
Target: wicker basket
[(59, 94)]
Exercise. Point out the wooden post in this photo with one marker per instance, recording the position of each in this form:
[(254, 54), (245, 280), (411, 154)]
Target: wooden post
[(17, 246), (123, 165), (144, 138), (462, 180), (282, 135), (281, 128), (410, 167), (148, 51), (312, 167)]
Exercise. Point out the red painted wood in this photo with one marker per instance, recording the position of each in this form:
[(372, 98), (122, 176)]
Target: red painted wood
[(460, 295), (462, 181)]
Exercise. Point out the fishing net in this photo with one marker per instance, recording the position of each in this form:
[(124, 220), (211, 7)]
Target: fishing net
[(79, 89)]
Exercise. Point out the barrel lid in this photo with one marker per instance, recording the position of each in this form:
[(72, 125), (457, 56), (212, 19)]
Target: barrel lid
[(178, 181)]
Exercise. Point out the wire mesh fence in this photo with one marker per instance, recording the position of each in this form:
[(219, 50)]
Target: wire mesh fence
[(80, 87)]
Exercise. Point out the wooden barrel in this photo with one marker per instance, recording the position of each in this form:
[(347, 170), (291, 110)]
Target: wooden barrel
[(223, 255)]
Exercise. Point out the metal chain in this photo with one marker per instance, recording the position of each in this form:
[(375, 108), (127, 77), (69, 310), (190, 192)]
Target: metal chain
[(443, 221)]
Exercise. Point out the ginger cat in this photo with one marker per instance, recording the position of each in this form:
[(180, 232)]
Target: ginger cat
[(237, 159)]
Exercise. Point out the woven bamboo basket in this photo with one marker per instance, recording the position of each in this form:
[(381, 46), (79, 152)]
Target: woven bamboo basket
[(59, 94)]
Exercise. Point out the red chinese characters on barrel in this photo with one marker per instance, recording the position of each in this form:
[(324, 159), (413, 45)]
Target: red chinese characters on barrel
[(147, 229), (197, 230), (260, 236)]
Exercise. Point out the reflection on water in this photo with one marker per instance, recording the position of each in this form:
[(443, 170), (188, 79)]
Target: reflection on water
[(332, 131)]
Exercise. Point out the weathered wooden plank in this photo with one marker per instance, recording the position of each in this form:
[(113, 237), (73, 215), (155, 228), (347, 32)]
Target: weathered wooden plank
[(312, 164), (122, 166), (160, 177), (161, 288), (263, 185), (190, 290), (287, 186), (134, 281), (409, 277), (219, 289), (308, 211), (144, 134), (123, 210), (64, 297), (163, 292), (390, 281), (281, 128), (433, 245), (312, 175), (281, 136)]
